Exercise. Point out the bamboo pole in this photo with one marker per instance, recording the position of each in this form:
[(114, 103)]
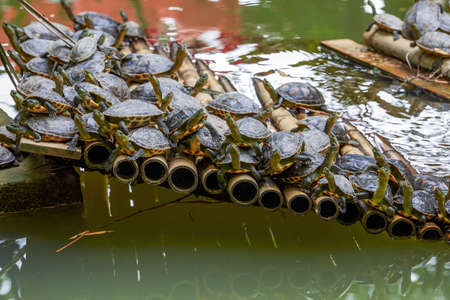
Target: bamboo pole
[(355, 134), (213, 84), (227, 84)]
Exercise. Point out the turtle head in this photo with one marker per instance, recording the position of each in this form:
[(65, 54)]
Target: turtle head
[(407, 191), (271, 90), (124, 16), (64, 75), (88, 22), (33, 105), (166, 102), (99, 118), (89, 77), (18, 60), (330, 178), (234, 129), (84, 95), (440, 197), (330, 122), (11, 33), (332, 151), (79, 122), (197, 118), (179, 58), (266, 113), (275, 160), (379, 158), (59, 83), (101, 40), (383, 178), (201, 82), (235, 156), (156, 88), (68, 9), (415, 31), (18, 99), (372, 6), (123, 30), (17, 129), (121, 138)]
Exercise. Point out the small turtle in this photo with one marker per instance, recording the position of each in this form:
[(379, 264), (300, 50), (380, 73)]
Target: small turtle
[(416, 205), (47, 101), (83, 49), (245, 132), (375, 189), (109, 40), (349, 164), (281, 150), (34, 83), (134, 30), (320, 123), (7, 159), (110, 82), (7, 138), (429, 183), (295, 95), (59, 52), (36, 30), (95, 65), (28, 49), (36, 66), (435, 43), (424, 16), (92, 96), (235, 104), (183, 122), (237, 160), (444, 26), (138, 67), (386, 22)]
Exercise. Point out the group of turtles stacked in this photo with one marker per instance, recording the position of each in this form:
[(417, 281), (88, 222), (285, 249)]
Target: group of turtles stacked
[(74, 88), (426, 24)]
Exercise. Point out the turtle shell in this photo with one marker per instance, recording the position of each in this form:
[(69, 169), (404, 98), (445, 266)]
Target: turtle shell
[(59, 102), (40, 66), (288, 143), (99, 93), (83, 49), (205, 136), (96, 34), (70, 94), (424, 202), (149, 138), (145, 91), (182, 100), (248, 158), (100, 21), (36, 30), (35, 47), (316, 141), (96, 64), (445, 22), (320, 122), (35, 83), (388, 22), (178, 117), (6, 157), (355, 163), (300, 169), (59, 51), (300, 94), (368, 182), (59, 128), (426, 15), (134, 30), (252, 128), (435, 43), (234, 103), (344, 185), (6, 135), (90, 124), (429, 182), (132, 110), (114, 84), (139, 66)]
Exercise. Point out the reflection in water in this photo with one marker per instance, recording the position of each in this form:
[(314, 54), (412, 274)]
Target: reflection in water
[(196, 250)]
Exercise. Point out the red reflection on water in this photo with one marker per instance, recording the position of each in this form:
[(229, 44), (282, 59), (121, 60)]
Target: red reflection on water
[(191, 19)]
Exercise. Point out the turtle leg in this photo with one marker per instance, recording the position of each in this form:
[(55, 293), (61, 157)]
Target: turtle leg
[(370, 26), (396, 35), (137, 155), (255, 173), (123, 127), (175, 137), (37, 137), (114, 154), (73, 143), (51, 109), (162, 126), (212, 155)]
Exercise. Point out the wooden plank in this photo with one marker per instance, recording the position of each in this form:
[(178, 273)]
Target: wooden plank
[(49, 148), (389, 65)]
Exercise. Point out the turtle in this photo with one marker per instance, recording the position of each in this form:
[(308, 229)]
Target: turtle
[(373, 188), (110, 82), (47, 101), (416, 204), (386, 22), (7, 138), (139, 66), (133, 113), (435, 43), (83, 49), (36, 66), (88, 129), (424, 16), (237, 160), (96, 64), (36, 30), (295, 95), (109, 40), (316, 141), (59, 52), (34, 83), (28, 49), (134, 30), (48, 129), (236, 104), (92, 96), (443, 206), (429, 182), (183, 122), (281, 150), (349, 164), (444, 25), (245, 132), (7, 158)]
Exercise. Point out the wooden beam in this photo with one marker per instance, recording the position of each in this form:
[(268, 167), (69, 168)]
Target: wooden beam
[(392, 66), (49, 148)]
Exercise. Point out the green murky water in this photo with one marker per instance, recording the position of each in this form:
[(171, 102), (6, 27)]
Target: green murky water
[(195, 249)]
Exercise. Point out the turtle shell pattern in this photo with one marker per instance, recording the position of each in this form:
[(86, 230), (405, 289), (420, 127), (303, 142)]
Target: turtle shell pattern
[(90, 124), (96, 34), (96, 64), (35, 83), (300, 94), (59, 102), (288, 143), (57, 129), (40, 66), (425, 14), (368, 181), (435, 43), (320, 122), (137, 65), (150, 138), (424, 202), (388, 22), (134, 30), (7, 134), (343, 184), (205, 136), (248, 158), (235, 103), (100, 21), (83, 49), (355, 163), (114, 84), (145, 91), (252, 128), (182, 100), (59, 51), (178, 117), (316, 141), (445, 22), (300, 169), (136, 113), (36, 30), (6, 157), (429, 182), (35, 47)]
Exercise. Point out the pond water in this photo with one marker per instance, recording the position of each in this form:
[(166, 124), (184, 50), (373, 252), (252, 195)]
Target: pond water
[(195, 249)]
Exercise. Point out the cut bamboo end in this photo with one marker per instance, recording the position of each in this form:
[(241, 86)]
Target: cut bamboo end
[(183, 175), (96, 154), (365, 146), (269, 196), (326, 207), (351, 215), (124, 169), (297, 201), (372, 220), (154, 170), (243, 189), (430, 232), (401, 227), (209, 180)]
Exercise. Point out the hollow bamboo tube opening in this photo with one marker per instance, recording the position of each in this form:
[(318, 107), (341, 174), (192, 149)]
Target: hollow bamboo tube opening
[(297, 201), (96, 154), (372, 220), (326, 207), (124, 169), (243, 189), (209, 180), (154, 170), (183, 175), (401, 227), (269, 196), (351, 215), (430, 232)]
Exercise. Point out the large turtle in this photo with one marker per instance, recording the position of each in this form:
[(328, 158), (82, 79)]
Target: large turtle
[(6, 158), (386, 22), (28, 49), (235, 104), (295, 95), (424, 16), (435, 43), (34, 83)]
